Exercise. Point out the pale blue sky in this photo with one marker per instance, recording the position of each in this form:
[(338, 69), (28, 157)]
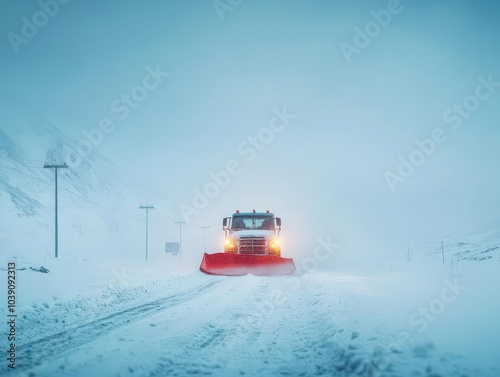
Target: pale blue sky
[(326, 170)]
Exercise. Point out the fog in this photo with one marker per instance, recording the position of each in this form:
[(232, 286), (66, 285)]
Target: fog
[(373, 123)]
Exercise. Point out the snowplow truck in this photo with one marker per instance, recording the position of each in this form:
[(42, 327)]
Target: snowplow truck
[(251, 246)]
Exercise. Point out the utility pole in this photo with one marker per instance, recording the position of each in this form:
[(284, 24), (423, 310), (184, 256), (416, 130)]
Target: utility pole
[(205, 237), (147, 208), (55, 167), (180, 237)]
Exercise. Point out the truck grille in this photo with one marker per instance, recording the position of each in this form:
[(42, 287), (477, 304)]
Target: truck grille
[(252, 245)]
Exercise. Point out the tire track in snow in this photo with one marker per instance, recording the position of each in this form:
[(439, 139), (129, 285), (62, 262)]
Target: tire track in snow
[(215, 339), (37, 352)]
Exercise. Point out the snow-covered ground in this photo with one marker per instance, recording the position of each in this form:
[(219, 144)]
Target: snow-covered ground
[(420, 317)]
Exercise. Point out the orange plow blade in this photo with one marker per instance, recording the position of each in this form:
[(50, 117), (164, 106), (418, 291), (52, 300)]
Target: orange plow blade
[(240, 264)]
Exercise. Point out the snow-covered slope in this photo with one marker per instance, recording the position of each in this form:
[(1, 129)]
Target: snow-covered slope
[(98, 203), (449, 252)]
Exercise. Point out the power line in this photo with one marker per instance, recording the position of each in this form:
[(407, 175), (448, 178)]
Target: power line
[(147, 208), (55, 167), (180, 237)]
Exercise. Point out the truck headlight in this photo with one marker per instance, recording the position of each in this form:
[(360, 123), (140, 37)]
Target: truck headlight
[(230, 245), (274, 246)]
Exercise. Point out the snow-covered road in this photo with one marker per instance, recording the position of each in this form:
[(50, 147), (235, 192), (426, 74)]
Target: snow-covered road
[(317, 324)]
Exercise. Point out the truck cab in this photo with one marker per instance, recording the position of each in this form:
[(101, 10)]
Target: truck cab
[(255, 233)]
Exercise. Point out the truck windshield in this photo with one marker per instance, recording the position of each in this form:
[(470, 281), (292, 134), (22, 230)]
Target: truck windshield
[(252, 222)]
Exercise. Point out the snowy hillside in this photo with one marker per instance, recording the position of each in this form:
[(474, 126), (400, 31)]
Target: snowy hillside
[(98, 204), (452, 251), (410, 318)]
